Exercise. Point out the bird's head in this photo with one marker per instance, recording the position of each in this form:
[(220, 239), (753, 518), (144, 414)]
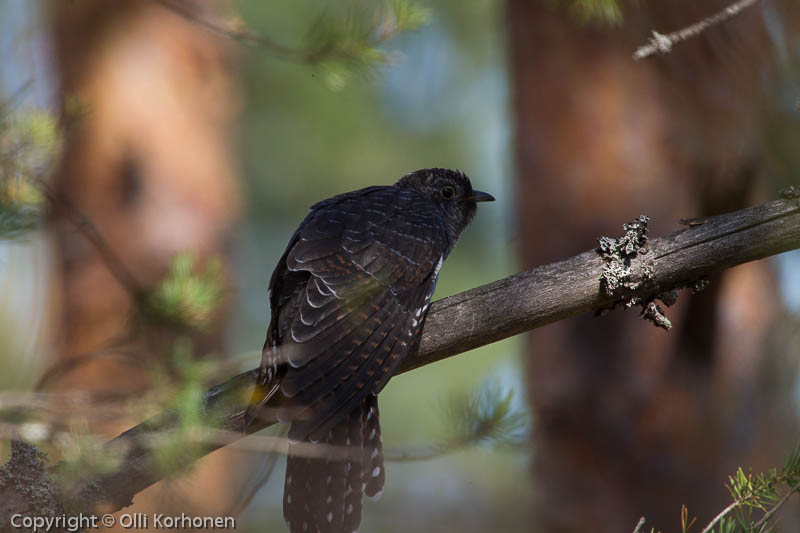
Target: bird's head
[(451, 191)]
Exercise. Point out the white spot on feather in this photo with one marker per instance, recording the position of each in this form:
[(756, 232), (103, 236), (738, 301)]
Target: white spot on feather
[(376, 471), (330, 517), (303, 320)]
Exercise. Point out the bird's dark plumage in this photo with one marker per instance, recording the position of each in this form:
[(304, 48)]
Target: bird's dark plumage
[(349, 297)]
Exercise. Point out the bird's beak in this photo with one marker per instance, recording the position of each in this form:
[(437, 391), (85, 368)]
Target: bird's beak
[(478, 196)]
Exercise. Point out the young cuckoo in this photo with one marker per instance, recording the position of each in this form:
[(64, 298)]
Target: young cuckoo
[(349, 298)]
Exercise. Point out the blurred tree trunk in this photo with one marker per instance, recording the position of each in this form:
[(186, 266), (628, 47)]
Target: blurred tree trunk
[(148, 102), (631, 420)]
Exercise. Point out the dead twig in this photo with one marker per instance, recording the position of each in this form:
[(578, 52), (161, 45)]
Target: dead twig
[(662, 44)]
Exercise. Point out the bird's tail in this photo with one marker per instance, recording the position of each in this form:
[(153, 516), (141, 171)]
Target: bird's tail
[(325, 480)]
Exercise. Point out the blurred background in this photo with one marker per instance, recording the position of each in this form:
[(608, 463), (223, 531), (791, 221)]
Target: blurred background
[(179, 143)]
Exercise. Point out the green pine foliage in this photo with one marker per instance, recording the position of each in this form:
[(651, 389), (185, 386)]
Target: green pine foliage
[(188, 295), (484, 416), (177, 450), (350, 43), (344, 39), (28, 143), (756, 499), (604, 11)]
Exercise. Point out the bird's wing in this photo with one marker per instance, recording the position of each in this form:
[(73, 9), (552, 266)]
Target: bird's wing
[(369, 264)]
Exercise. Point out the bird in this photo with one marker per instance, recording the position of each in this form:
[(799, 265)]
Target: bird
[(349, 298)]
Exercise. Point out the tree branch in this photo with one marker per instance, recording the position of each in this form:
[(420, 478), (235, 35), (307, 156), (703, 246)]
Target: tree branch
[(662, 44), (488, 313)]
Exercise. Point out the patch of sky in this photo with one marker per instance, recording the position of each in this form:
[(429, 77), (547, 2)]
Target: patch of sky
[(788, 265), (24, 70), (418, 87)]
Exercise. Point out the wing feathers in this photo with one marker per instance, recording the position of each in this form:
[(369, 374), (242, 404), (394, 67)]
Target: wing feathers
[(352, 385)]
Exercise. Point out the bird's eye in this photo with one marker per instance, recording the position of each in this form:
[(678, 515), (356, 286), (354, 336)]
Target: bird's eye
[(447, 192)]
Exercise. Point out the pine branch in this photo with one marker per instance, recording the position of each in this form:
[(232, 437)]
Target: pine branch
[(662, 44), (722, 514), (771, 513), (757, 492), (531, 299), (329, 41)]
